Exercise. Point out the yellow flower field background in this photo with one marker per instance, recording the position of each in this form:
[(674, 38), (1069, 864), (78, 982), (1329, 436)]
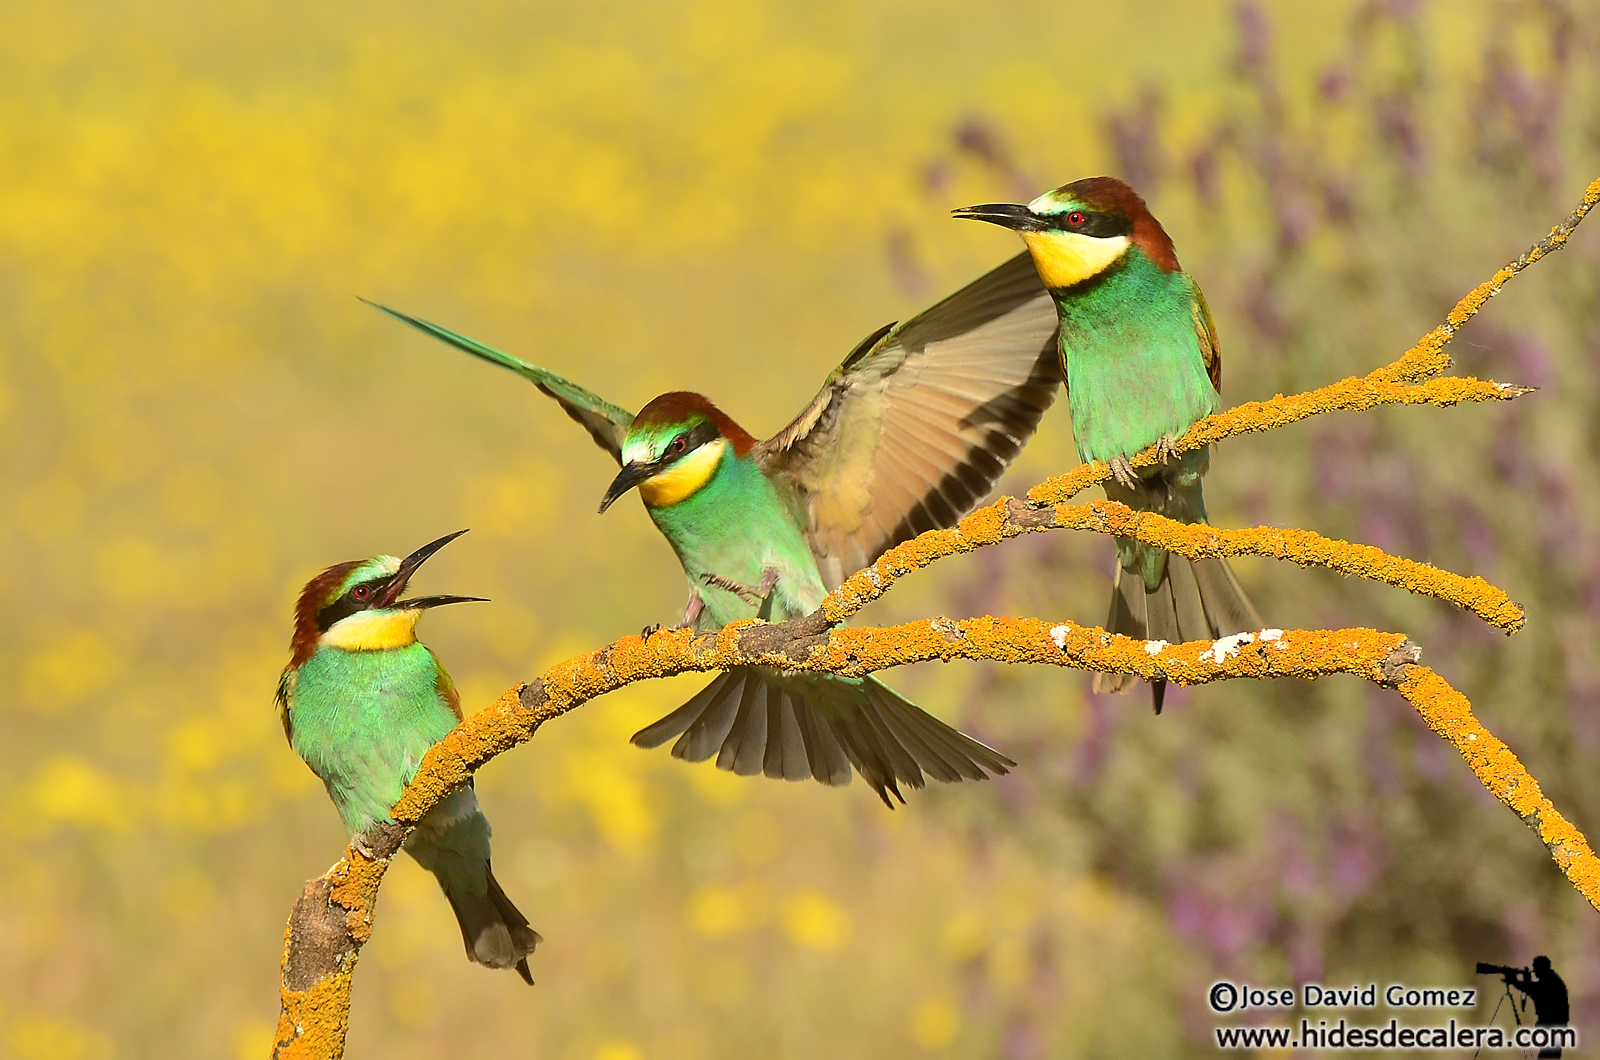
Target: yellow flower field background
[(196, 415)]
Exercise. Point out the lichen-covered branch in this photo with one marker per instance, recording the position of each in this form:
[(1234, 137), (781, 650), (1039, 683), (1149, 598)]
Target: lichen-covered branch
[(334, 916), (1009, 517), (1355, 394), (1427, 358), (1305, 547), (1448, 713)]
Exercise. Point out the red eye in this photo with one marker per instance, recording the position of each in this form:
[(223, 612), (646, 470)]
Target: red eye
[(1075, 218), (679, 444), (360, 592)]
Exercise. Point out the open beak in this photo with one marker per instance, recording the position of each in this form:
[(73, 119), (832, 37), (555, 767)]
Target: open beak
[(1006, 215), (417, 603), (408, 567), (630, 476)]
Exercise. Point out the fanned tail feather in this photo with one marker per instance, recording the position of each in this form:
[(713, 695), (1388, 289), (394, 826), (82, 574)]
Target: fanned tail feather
[(756, 721), (1195, 600)]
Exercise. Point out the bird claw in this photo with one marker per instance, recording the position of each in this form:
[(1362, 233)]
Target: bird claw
[(739, 589), (1167, 449), (381, 841), (754, 597), (1122, 471), (656, 627), (691, 613), (363, 846)]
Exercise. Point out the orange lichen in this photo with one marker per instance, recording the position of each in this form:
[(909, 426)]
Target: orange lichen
[(312, 1023), (1305, 547), (1355, 394), (1447, 712), (1007, 518), (1427, 358)]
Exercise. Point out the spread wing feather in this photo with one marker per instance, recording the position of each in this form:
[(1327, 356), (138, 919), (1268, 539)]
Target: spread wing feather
[(920, 421), (605, 422)]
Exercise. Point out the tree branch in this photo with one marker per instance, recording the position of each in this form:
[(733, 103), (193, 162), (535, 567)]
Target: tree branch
[(333, 918), (1009, 517)]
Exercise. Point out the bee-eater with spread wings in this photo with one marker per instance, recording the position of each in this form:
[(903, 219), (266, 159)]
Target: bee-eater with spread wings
[(908, 434), (1142, 366)]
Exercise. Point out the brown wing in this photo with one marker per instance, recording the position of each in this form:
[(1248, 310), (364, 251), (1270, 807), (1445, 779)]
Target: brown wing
[(285, 690), (1205, 329), (446, 689), (920, 421)]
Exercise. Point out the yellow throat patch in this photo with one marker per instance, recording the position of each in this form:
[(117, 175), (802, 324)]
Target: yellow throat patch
[(684, 478), (1066, 258), (374, 630)]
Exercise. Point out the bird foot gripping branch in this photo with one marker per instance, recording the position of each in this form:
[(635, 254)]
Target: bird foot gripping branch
[(756, 596)]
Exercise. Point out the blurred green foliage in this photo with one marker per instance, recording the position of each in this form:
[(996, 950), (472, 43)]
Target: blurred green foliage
[(196, 415)]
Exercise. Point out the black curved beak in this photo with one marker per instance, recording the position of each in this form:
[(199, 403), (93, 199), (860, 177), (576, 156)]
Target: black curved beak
[(417, 603), (1006, 215), (408, 567), (630, 476)]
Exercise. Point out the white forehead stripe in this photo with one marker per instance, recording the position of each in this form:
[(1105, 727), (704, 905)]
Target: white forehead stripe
[(1043, 204), (637, 450)]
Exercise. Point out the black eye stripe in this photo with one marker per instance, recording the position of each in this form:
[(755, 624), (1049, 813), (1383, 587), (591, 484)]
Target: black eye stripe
[(1097, 225), (699, 435), (345, 606)]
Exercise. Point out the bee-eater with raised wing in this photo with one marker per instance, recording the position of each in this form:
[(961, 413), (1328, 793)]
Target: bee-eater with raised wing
[(908, 434), (1142, 366), (361, 701)]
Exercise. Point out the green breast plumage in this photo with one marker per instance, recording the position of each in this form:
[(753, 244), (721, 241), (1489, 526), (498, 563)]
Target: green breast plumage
[(737, 526), (362, 720), (1132, 356)]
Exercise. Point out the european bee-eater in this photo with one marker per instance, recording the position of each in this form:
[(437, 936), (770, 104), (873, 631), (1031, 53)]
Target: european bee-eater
[(908, 434), (1142, 366), (361, 701)]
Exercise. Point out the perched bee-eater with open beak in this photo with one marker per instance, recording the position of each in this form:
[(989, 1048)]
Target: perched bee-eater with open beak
[(1142, 367), (908, 434), (361, 701)]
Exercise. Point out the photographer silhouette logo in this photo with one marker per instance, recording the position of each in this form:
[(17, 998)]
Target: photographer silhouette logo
[(1540, 984)]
